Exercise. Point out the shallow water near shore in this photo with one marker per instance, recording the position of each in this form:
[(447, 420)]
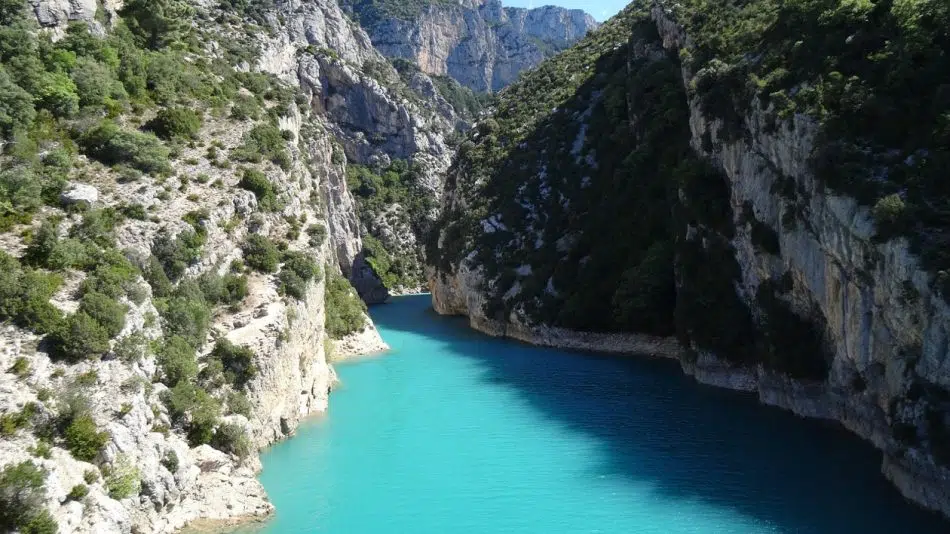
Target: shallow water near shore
[(453, 431)]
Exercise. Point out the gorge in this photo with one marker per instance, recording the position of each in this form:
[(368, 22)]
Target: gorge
[(201, 196)]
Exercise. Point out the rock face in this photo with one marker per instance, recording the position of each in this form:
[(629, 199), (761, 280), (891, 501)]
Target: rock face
[(480, 43), (883, 329), (351, 107)]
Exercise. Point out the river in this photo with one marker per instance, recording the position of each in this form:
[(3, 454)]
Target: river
[(453, 432)]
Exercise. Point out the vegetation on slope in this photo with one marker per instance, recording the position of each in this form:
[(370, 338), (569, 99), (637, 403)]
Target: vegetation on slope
[(581, 193), (874, 74)]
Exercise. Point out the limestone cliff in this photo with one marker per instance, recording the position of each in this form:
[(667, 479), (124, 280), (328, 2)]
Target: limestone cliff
[(779, 285), (480, 43), (308, 75)]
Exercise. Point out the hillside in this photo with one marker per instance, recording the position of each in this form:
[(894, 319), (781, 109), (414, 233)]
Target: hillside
[(178, 245), (759, 182)]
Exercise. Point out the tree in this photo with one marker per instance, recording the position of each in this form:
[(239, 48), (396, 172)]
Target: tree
[(157, 23), (22, 494), (16, 106)]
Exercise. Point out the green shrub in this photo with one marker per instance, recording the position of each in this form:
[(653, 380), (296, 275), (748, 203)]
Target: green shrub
[(263, 142), (112, 145), (58, 94), (105, 310), (298, 270), (345, 310), (176, 122), (113, 276), (154, 274), (23, 497), (134, 211), (42, 449), (25, 294), (123, 479), (90, 476), (189, 317), (229, 289), (238, 403), (21, 367), (83, 438), (97, 225), (78, 492), (16, 106), (256, 182), (177, 361), (318, 235), (194, 410), (170, 461), (80, 337), (261, 254), (10, 423), (245, 107), (96, 84), (232, 439), (131, 348), (237, 362), (176, 254), (889, 212)]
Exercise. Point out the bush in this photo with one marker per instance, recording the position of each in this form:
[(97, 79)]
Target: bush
[(175, 254), (97, 226), (318, 235), (345, 310), (105, 310), (298, 270), (134, 211), (236, 361), (177, 361), (20, 367), (256, 182), (264, 141), (228, 289), (80, 337), (176, 122), (238, 403), (112, 145), (260, 253), (23, 497), (78, 492), (114, 275), (232, 439), (889, 212), (16, 106), (170, 461), (96, 84), (122, 479), (188, 316), (25, 294), (194, 410), (58, 94), (131, 348), (83, 438)]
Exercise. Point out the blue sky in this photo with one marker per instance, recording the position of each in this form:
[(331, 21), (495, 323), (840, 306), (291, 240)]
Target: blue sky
[(600, 9)]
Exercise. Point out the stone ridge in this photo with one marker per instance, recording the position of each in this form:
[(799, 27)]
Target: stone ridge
[(482, 44)]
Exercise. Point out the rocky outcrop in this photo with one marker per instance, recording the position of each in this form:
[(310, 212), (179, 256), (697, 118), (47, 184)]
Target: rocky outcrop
[(886, 326), (374, 114), (882, 327), (480, 43)]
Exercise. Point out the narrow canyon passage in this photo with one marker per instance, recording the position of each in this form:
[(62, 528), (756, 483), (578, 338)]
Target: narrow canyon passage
[(457, 432)]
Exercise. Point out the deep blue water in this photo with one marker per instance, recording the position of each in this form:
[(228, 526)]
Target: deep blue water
[(454, 432)]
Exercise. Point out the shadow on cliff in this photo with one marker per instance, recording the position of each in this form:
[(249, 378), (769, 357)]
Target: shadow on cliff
[(689, 442)]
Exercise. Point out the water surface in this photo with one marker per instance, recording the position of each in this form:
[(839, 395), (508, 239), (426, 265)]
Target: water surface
[(454, 432)]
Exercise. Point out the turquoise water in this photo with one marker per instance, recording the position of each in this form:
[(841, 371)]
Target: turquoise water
[(455, 432)]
